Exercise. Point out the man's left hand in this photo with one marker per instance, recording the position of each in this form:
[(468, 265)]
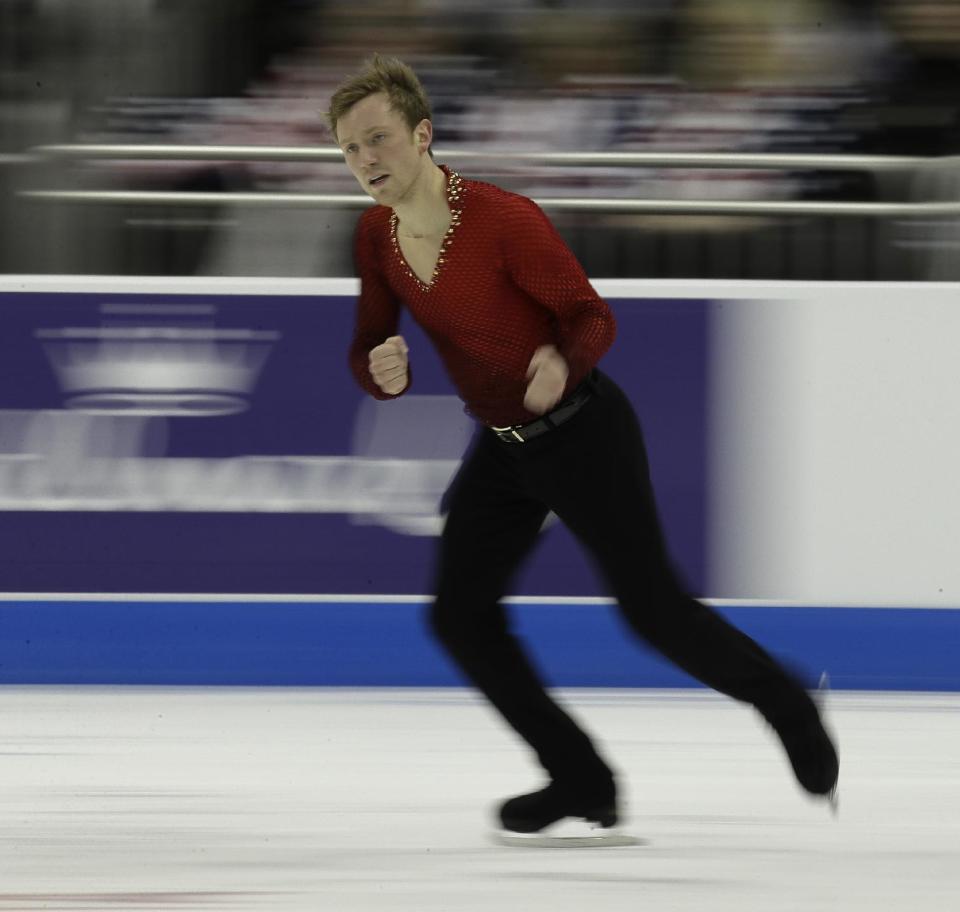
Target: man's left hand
[(547, 374)]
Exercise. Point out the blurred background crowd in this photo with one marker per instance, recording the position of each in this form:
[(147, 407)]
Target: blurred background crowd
[(848, 77)]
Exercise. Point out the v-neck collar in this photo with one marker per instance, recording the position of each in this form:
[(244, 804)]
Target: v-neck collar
[(454, 191)]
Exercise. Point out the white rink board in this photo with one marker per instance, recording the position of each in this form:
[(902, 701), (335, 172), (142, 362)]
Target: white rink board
[(284, 800), (834, 451)]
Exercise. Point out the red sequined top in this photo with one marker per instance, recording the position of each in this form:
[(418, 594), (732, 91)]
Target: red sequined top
[(505, 284)]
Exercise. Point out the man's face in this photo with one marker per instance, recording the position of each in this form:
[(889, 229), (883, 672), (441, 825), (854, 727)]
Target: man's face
[(383, 153)]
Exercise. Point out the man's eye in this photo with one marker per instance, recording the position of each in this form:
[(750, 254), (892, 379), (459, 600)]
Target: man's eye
[(378, 137)]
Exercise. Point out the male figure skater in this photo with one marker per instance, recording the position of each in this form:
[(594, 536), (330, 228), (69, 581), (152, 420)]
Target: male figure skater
[(520, 331)]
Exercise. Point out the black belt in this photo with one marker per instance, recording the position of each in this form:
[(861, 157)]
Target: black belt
[(521, 433)]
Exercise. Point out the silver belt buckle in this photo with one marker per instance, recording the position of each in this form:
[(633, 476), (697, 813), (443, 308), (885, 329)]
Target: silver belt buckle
[(510, 429)]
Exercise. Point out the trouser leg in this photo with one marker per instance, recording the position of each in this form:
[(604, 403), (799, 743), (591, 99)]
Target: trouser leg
[(491, 526), (596, 479)]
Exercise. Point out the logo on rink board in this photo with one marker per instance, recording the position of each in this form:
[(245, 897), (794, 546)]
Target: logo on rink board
[(69, 460), (159, 359), (122, 380)]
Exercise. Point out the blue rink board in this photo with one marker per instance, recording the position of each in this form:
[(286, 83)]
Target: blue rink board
[(370, 643)]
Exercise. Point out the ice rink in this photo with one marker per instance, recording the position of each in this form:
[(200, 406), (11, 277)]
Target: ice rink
[(281, 800)]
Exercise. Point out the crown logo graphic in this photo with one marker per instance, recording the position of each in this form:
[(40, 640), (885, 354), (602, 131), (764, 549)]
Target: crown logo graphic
[(161, 370)]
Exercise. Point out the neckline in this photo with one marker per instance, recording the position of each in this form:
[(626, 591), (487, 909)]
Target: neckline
[(454, 190)]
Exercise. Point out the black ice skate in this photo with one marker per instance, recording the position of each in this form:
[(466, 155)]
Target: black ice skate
[(811, 750), (558, 817)]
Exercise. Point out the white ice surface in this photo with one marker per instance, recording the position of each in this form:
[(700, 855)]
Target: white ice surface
[(280, 799)]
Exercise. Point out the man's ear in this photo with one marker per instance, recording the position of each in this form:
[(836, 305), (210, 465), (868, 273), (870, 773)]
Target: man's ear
[(423, 134)]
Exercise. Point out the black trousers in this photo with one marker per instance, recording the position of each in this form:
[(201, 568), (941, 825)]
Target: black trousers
[(592, 472)]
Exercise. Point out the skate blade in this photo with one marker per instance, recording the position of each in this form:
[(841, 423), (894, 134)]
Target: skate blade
[(833, 800), (823, 692), (568, 836)]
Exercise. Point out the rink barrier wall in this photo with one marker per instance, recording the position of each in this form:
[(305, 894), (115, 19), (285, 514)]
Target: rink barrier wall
[(769, 435), (362, 641)]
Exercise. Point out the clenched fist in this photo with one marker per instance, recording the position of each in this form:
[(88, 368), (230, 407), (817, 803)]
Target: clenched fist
[(547, 374), (388, 365)]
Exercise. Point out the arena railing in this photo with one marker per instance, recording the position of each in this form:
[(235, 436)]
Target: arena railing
[(904, 165)]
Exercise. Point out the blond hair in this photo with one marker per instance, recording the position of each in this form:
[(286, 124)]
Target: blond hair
[(382, 74)]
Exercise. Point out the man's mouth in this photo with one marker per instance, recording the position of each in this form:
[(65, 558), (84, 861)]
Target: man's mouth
[(377, 181)]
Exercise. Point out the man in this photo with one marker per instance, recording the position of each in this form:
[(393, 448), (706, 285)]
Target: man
[(520, 331)]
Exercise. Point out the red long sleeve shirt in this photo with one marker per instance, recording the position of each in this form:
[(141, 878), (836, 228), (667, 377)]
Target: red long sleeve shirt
[(505, 284)]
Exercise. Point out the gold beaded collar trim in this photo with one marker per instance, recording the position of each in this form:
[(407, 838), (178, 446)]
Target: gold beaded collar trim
[(454, 191)]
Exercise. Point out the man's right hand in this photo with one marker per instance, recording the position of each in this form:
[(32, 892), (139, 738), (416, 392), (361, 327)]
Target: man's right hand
[(388, 365)]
